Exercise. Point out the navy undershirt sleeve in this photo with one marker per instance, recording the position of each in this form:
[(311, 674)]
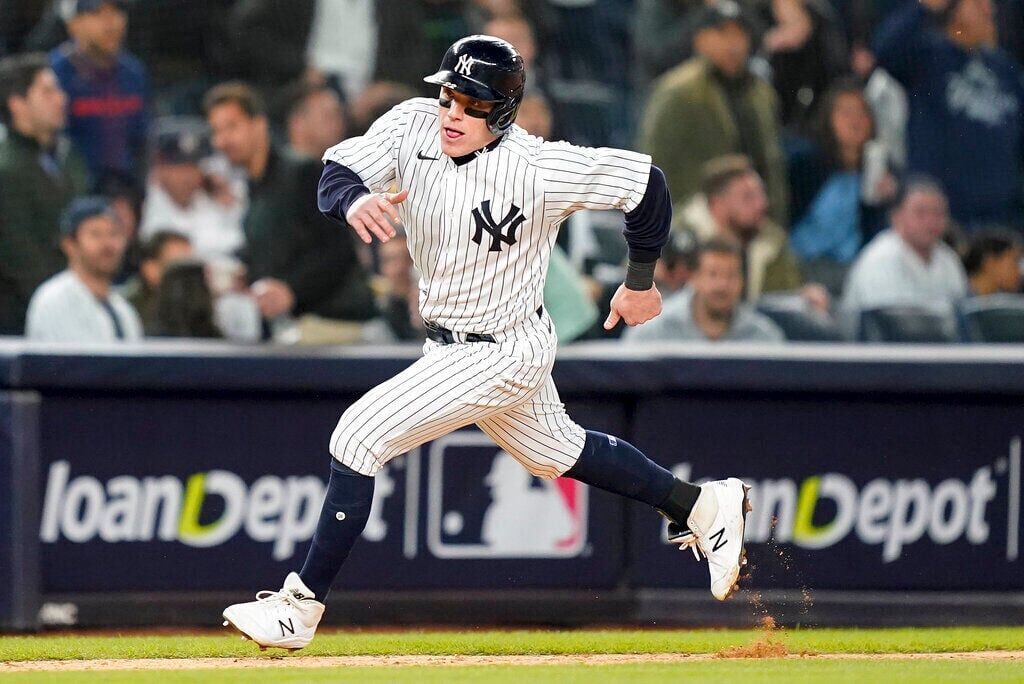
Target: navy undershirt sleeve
[(647, 226), (339, 187)]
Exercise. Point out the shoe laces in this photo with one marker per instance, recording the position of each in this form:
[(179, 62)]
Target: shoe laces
[(690, 542), (282, 597)]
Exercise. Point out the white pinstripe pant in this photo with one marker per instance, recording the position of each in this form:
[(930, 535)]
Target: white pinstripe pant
[(504, 387)]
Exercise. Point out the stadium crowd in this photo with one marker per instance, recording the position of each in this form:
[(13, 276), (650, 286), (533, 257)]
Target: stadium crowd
[(840, 169)]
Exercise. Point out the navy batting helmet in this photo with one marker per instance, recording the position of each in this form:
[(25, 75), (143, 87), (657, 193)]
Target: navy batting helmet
[(487, 69)]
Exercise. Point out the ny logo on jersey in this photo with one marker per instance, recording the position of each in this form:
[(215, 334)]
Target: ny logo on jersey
[(485, 222), (465, 65)]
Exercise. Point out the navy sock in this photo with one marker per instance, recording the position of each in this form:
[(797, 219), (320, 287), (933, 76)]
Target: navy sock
[(342, 519), (617, 466)]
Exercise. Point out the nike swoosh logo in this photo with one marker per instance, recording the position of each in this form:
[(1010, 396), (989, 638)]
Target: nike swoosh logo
[(420, 155)]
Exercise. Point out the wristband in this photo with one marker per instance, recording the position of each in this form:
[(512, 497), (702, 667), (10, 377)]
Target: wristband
[(639, 276)]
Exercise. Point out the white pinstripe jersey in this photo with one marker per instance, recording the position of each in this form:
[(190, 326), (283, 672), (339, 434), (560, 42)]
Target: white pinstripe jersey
[(481, 233)]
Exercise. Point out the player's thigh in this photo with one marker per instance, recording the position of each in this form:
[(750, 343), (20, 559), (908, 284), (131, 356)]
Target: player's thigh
[(450, 387), (538, 433)]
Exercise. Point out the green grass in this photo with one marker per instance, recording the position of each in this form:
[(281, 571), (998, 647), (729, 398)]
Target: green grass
[(790, 671), (482, 642)]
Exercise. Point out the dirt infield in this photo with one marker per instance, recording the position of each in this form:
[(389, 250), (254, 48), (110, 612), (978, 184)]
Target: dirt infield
[(453, 661)]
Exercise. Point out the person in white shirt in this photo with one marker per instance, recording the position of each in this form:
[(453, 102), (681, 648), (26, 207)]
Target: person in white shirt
[(181, 197), (78, 304), (909, 264)]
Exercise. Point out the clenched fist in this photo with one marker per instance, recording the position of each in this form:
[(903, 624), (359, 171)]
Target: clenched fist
[(633, 306)]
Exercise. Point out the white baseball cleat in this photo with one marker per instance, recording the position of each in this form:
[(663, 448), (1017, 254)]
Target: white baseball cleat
[(716, 526), (278, 619)]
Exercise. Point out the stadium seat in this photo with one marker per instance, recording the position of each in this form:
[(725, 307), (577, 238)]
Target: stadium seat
[(996, 318), (908, 324), (799, 322)]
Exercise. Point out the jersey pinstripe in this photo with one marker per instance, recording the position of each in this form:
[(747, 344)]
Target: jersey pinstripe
[(481, 233)]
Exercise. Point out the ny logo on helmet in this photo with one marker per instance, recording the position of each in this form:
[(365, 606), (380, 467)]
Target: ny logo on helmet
[(465, 65), (485, 223)]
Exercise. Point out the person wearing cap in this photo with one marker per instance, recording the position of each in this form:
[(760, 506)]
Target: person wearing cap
[(712, 105), (78, 304), (40, 173), (966, 95), (181, 196), (106, 87)]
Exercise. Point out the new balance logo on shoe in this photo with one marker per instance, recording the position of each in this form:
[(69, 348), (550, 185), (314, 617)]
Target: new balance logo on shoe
[(290, 627), (720, 539)]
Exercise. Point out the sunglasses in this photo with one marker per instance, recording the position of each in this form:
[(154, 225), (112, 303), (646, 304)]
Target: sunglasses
[(446, 102)]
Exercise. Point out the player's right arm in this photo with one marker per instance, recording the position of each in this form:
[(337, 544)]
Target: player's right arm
[(358, 171)]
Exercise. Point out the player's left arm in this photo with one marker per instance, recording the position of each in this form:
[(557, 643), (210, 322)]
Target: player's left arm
[(647, 230), (606, 178)]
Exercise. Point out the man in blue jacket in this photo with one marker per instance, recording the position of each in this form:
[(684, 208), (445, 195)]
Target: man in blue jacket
[(966, 124), (106, 88)]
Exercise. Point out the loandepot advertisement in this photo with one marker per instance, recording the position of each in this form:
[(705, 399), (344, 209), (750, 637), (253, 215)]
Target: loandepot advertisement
[(868, 495), (880, 494)]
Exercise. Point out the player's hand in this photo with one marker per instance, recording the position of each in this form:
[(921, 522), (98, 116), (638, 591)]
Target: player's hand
[(369, 215), (633, 306), (273, 296)]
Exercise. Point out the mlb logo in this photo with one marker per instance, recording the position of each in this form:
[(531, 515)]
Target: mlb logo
[(481, 503)]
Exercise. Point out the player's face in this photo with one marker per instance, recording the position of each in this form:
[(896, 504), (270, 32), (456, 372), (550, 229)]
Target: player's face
[(463, 130), (718, 283), (97, 247)]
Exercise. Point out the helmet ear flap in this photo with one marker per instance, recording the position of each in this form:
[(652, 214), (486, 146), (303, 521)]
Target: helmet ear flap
[(502, 116)]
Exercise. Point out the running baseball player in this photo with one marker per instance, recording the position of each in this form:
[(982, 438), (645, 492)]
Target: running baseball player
[(481, 201)]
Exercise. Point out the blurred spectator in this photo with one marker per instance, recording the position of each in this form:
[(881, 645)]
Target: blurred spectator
[(314, 118), (966, 123), (807, 51), (106, 88), (40, 173), (992, 262), (159, 251), (733, 205), (377, 99), (838, 185), (713, 105), (709, 308), (909, 264), (299, 262), (677, 263), (125, 196), (78, 304), (184, 304), (181, 196)]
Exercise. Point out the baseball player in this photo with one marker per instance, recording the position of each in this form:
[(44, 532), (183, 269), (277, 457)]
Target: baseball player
[(481, 201)]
